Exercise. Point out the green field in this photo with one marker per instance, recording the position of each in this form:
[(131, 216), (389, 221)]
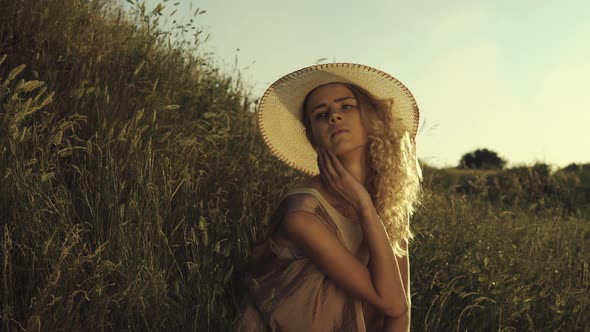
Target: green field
[(133, 182)]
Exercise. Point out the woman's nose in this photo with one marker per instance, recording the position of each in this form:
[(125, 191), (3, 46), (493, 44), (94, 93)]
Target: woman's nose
[(335, 116)]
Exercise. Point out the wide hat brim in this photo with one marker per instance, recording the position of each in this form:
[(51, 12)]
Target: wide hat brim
[(279, 110)]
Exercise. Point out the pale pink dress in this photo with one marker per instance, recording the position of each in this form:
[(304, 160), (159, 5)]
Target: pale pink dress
[(287, 292)]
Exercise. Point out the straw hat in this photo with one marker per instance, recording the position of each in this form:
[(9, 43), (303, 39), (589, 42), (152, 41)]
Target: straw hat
[(280, 109)]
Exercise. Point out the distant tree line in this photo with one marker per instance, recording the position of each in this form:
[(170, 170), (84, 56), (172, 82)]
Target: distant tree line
[(482, 159)]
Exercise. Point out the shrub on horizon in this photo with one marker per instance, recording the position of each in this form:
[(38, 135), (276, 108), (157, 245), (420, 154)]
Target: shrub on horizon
[(482, 159)]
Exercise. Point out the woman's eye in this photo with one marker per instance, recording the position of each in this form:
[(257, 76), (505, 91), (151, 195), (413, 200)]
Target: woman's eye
[(346, 107), (321, 115)]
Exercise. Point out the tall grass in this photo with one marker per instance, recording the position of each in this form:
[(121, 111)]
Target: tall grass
[(133, 182), (125, 162), (479, 267)]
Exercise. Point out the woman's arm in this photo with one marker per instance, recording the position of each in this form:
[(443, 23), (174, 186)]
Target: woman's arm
[(402, 323), (386, 272), (381, 285)]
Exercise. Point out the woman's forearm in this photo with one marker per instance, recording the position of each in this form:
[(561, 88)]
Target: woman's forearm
[(398, 324), (384, 269)]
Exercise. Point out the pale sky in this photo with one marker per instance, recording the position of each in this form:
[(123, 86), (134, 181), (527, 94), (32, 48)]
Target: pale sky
[(511, 76)]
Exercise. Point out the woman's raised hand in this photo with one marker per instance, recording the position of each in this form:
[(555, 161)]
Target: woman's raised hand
[(336, 177)]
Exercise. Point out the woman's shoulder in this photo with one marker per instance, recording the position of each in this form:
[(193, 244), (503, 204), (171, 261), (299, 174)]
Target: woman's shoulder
[(316, 193), (303, 193), (303, 196), (299, 199)]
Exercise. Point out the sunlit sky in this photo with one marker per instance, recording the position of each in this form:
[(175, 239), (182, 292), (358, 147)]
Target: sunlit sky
[(511, 76)]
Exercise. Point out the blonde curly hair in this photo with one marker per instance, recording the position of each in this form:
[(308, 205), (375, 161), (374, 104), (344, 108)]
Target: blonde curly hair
[(394, 180)]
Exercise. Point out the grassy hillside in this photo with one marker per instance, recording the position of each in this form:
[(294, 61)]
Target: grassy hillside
[(128, 165), (133, 182)]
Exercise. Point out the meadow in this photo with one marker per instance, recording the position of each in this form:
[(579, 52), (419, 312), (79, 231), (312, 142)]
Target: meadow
[(133, 183)]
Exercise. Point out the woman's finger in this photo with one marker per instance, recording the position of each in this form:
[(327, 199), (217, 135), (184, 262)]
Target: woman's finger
[(319, 161), (329, 166), (336, 164), (322, 166)]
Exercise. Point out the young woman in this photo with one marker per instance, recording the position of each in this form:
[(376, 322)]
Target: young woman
[(335, 257)]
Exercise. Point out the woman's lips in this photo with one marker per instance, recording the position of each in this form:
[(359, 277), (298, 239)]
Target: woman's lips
[(339, 131)]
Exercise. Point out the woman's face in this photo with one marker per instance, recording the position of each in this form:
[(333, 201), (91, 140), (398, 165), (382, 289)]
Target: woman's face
[(335, 119)]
